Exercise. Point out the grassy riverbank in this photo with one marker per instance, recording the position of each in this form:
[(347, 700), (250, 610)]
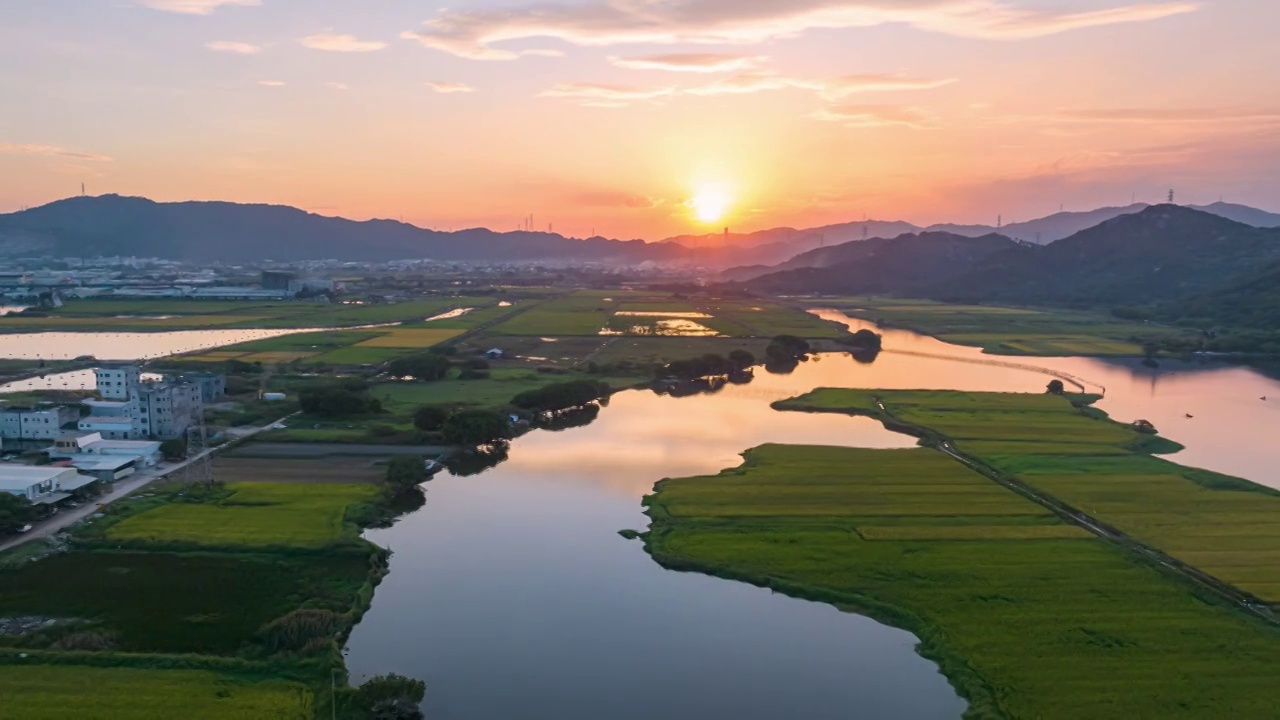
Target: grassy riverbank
[(1225, 526), (224, 601), (1027, 616), (1011, 331)]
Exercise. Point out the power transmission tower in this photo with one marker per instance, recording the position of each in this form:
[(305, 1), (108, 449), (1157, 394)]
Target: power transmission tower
[(200, 467), (1170, 197)]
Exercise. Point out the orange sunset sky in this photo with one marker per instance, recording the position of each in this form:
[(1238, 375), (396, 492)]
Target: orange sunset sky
[(643, 118)]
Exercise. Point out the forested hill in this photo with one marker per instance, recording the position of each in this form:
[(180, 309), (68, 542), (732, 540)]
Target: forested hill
[(902, 265), (206, 231), (1162, 253)]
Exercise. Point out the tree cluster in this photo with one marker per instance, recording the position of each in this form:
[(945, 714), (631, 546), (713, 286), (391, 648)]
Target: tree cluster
[(391, 697), (787, 349), (562, 396), (344, 398), (863, 339), (426, 366), (476, 427), (405, 472)]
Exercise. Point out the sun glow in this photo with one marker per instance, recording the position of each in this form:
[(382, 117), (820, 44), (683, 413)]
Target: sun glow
[(710, 203)]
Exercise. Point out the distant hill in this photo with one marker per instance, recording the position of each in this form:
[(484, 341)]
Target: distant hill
[(1242, 214), (902, 265), (1162, 253), (222, 231), (1047, 229)]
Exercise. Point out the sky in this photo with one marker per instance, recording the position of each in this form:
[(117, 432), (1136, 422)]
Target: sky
[(643, 118)]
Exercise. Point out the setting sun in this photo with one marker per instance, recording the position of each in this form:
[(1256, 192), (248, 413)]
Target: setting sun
[(710, 203)]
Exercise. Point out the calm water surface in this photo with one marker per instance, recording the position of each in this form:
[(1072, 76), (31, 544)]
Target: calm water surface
[(512, 596), (126, 345)]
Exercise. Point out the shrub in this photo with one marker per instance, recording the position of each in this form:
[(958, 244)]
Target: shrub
[(301, 629)]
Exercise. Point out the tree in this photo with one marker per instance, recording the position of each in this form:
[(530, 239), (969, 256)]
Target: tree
[(405, 472), (476, 427), (785, 349), (1056, 387), (430, 418), (562, 396), (173, 449), (864, 339), (742, 359), (391, 697), (14, 513), (426, 367)]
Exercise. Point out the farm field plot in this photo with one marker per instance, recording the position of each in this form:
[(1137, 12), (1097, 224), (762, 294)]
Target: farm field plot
[(1029, 617), (411, 338), (252, 514), (766, 319), (1227, 527), (328, 470), (49, 692), (1010, 331), (583, 312), (179, 603)]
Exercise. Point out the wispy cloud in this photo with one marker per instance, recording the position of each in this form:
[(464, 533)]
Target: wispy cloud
[(195, 7), (1171, 115), (478, 34), (237, 48), (616, 199), (333, 42), (689, 62), (271, 83), (338, 86), (606, 95), (865, 116), (7, 148), (450, 87)]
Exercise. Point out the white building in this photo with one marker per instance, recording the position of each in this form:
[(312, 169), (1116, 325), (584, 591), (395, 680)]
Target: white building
[(93, 445), (42, 485), (118, 383), (166, 410), (40, 423)]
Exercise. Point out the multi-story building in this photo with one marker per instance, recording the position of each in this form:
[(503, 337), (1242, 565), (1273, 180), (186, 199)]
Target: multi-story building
[(166, 410), (118, 382), (148, 409), (40, 423), (213, 386)]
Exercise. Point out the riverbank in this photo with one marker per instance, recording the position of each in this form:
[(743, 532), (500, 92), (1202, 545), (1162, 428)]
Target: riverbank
[(1077, 457), (1017, 331), (1027, 615)]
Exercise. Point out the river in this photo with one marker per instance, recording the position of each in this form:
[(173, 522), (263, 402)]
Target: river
[(127, 345), (512, 595)]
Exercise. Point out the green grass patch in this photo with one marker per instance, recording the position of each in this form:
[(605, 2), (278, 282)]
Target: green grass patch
[(48, 692)]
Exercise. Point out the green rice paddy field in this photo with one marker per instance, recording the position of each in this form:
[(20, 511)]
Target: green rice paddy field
[(296, 515), (1009, 331), (58, 692), (1228, 527), (1027, 616)]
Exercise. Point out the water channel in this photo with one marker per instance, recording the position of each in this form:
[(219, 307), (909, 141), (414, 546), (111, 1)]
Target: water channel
[(512, 595)]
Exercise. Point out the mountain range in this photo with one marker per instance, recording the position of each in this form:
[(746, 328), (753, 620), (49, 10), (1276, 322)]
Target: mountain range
[(232, 232), (1160, 254)]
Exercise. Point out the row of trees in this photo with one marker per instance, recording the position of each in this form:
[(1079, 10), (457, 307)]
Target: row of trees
[(709, 365)]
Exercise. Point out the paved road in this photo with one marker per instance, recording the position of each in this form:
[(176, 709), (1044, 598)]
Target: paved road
[(69, 516)]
